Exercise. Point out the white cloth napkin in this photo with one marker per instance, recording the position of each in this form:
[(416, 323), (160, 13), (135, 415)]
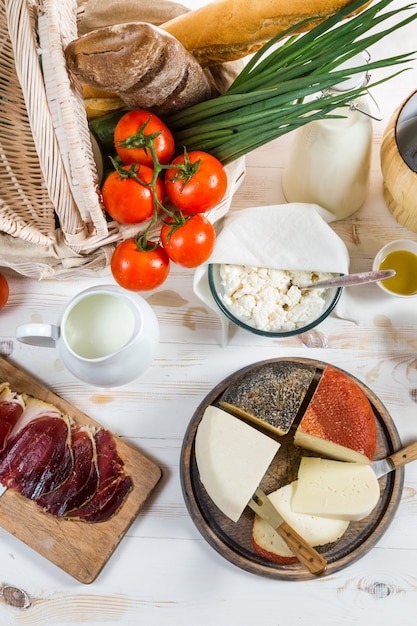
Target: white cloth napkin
[(293, 236), (366, 303)]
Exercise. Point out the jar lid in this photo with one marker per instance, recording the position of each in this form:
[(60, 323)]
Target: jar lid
[(357, 80)]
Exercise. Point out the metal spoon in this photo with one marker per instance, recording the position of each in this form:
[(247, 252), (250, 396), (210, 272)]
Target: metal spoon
[(352, 279)]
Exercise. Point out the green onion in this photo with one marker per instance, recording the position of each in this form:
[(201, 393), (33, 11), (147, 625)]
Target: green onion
[(270, 95)]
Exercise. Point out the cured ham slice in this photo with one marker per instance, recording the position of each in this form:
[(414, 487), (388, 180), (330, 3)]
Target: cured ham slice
[(71, 472), (39, 458), (83, 481), (114, 484), (12, 406), (34, 408)]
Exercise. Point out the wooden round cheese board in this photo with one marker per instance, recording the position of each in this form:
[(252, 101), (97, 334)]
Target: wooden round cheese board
[(233, 540)]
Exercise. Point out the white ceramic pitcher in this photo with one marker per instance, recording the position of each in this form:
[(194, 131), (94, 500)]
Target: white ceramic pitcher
[(106, 336)]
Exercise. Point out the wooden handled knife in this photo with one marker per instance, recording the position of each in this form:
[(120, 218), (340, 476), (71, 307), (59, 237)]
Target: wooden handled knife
[(395, 460), (262, 506)]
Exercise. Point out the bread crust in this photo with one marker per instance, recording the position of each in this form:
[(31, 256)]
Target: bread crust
[(233, 29), (145, 66)]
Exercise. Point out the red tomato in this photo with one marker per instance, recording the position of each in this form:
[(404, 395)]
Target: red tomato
[(200, 186), (128, 201), (132, 133), (4, 291), (191, 243), (139, 270)]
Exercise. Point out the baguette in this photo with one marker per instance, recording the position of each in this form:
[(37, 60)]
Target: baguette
[(97, 107), (98, 102), (227, 30), (143, 65)]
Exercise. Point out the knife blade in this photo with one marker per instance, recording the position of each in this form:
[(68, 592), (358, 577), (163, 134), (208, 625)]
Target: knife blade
[(2, 489), (262, 506), (395, 460)]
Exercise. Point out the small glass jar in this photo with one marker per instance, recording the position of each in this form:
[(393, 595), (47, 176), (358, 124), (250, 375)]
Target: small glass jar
[(330, 160)]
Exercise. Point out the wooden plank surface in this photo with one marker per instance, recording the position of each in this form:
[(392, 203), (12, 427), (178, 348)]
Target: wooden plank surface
[(81, 549), (164, 571)]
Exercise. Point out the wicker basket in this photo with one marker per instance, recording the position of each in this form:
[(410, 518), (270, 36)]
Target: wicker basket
[(52, 223)]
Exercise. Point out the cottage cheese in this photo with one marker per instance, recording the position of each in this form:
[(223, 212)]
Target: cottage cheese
[(270, 299)]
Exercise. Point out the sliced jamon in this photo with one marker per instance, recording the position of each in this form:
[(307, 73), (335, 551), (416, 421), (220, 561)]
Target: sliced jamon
[(83, 482), (70, 472), (11, 408), (34, 408), (39, 457), (106, 503), (114, 484)]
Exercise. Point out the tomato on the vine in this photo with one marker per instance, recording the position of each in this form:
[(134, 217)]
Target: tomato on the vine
[(128, 201), (191, 243), (199, 186), (139, 269), (132, 133), (4, 291)]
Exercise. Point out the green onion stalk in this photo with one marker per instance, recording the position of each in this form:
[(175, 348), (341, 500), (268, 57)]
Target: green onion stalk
[(270, 96)]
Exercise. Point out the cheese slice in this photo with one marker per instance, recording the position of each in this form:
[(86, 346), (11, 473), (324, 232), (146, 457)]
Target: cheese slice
[(335, 489), (317, 530), (232, 458)]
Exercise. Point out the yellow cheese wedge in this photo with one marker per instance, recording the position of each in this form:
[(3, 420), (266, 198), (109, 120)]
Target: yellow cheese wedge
[(317, 530), (232, 458), (335, 489)]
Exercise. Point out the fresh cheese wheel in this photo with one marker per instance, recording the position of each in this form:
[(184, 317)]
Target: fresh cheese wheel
[(318, 531), (337, 489), (271, 394), (232, 458), (339, 421)]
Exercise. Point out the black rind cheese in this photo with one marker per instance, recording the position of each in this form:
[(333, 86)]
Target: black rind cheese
[(270, 394)]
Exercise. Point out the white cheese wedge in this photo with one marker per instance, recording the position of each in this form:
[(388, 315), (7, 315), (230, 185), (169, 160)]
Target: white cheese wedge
[(335, 489), (232, 458), (315, 529)]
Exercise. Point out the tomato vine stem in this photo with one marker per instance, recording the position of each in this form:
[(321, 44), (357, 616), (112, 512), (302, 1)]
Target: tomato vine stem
[(185, 172)]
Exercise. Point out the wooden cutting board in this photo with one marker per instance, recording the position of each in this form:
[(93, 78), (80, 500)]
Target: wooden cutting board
[(234, 540), (81, 549)]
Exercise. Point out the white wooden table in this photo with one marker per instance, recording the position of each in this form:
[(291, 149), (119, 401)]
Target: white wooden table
[(164, 572)]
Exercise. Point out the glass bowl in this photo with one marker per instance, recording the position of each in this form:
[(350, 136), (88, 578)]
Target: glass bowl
[(332, 296)]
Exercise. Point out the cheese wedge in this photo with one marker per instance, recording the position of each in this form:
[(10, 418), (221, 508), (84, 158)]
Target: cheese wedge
[(338, 489), (339, 422), (317, 530), (232, 458)]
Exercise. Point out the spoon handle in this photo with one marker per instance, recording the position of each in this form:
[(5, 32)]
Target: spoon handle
[(352, 279)]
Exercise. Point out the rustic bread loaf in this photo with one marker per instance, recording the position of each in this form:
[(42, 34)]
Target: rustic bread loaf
[(225, 30), (145, 66)]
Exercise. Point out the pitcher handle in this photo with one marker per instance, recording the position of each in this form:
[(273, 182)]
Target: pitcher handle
[(36, 334)]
